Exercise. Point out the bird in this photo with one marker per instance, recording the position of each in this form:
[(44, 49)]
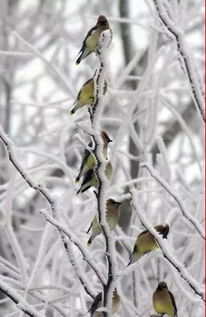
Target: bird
[(164, 301), (91, 41), (146, 242), (89, 159), (86, 95), (98, 303), (112, 216), (90, 178)]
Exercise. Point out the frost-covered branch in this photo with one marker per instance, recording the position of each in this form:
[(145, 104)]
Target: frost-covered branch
[(20, 302), (44, 192), (185, 55), (75, 241), (176, 197), (164, 248), (102, 186)]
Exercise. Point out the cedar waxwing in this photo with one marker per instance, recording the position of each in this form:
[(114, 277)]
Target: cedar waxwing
[(86, 95), (89, 159), (90, 178), (91, 41), (146, 242), (112, 216), (164, 301), (98, 303)]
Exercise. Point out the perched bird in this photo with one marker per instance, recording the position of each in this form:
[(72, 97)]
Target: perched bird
[(146, 242), (164, 301), (91, 179), (112, 216), (90, 43), (89, 159), (97, 303), (86, 95)]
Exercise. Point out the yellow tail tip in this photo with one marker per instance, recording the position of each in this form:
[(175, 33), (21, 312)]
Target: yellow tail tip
[(76, 63), (76, 181), (88, 243)]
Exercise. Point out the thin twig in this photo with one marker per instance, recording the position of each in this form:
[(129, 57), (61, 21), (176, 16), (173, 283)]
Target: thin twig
[(188, 64), (43, 192), (176, 197), (166, 253)]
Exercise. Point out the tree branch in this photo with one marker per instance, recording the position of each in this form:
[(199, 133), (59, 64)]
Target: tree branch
[(185, 56)]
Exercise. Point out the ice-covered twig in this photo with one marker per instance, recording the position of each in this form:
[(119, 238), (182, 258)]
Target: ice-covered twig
[(185, 55), (176, 197), (163, 247), (76, 242), (20, 302), (43, 192)]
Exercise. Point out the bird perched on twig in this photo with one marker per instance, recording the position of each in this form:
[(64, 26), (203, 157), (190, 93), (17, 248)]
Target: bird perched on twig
[(89, 159), (146, 242), (164, 301), (86, 95), (98, 303), (112, 216), (91, 179), (91, 41)]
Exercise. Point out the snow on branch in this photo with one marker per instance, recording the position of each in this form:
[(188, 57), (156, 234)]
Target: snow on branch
[(20, 302), (100, 168), (176, 197), (43, 192), (165, 250), (185, 55), (75, 241)]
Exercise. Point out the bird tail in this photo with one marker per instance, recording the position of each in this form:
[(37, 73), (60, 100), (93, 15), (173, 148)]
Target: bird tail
[(130, 260), (89, 228), (84, 53), (73, 110), (78, 60), (93, 236), (77, 179)]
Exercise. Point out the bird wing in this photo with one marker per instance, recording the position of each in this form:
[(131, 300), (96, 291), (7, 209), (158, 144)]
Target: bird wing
[(85, 157), (95, 303), (173, 302), (79, 93), (143, 232), (89, 228), (86, 37)]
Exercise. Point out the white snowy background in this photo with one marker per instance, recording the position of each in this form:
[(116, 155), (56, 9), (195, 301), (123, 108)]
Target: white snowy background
[(153, 113)]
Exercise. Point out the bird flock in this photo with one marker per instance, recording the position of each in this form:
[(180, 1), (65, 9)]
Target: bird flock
[(163, 299)]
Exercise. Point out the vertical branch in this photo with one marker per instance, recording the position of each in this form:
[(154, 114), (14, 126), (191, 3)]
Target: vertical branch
[(100, 194), (185, 56)]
